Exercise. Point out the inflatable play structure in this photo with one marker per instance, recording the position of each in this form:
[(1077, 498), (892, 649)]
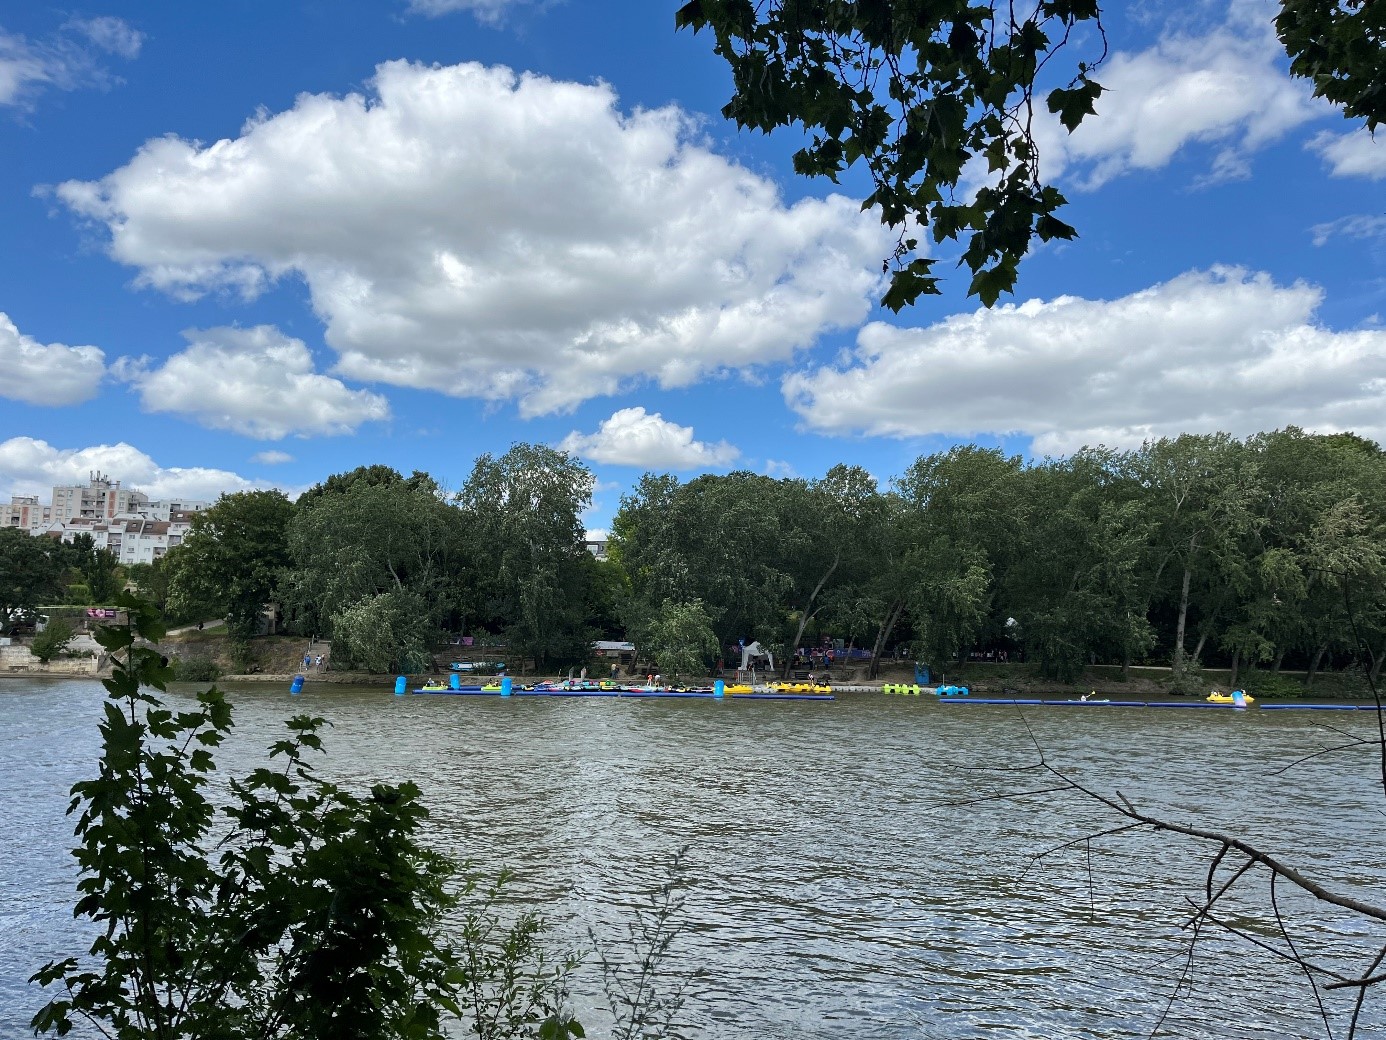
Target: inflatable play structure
[(906, 689)]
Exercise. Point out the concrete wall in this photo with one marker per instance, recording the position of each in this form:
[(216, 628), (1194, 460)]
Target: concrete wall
[(17, 660)]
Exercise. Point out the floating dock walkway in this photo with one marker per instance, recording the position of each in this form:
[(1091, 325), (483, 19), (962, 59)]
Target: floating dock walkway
[(1102, 703), (637, 694)]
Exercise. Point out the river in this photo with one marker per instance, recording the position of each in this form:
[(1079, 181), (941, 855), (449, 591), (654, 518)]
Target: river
[(835, 888)]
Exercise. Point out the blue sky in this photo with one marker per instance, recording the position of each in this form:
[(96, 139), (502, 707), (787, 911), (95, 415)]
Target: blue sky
[(249, 245)]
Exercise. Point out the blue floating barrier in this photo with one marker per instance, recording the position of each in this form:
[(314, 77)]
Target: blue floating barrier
[(400, 684), (719, 688), (505, 686), (454, 681), (296, 686)]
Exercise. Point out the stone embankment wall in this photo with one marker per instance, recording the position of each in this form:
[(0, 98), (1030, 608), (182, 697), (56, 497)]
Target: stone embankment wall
[(17, 660)]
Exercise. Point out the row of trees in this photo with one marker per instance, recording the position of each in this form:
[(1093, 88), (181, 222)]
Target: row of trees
[(383, 564), (1255, 551), (1188, 550)]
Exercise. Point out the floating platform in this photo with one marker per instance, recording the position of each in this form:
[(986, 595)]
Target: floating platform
[(1080, 703), (703, 695), (1154, 704), (1319, 707)]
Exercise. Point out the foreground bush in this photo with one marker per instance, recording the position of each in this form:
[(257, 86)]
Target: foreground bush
[(319, 913)]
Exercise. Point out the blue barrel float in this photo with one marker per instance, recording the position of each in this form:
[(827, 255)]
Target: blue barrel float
[(454, 681), (719, 688), (296, 687), (400, 683), (505, 686)]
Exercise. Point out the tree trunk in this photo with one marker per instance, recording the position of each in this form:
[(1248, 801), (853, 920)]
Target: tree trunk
[(1197, 655), (1125, 664), (1177, 665), (807, 613), (1376, 665), (1279, 657), (887, 626), (1314, 666), (1236, 661)]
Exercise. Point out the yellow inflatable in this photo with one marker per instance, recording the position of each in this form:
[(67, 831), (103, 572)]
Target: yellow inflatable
[(738, 688), (908, 689), (1226, 698), (801, 687)]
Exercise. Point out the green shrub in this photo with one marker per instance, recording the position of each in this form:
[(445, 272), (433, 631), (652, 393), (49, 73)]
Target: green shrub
[(1272, 685), (1191, 683), (53, 640), (319, 914), (195, 669)]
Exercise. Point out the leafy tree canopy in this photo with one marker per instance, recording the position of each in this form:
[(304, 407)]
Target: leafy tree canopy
[(232, 558), (30, 573), (1340, 46), (376, 475), (928, 93)]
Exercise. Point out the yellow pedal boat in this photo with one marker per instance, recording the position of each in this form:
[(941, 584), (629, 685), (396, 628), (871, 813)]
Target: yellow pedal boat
[(800, 687), (1227, 698)]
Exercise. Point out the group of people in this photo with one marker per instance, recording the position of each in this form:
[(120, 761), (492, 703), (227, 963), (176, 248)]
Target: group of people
[(311, 663), (815, 659)]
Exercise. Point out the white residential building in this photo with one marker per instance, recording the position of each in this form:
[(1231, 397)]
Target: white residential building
[(120, 519), (132, 540), (101, 498)]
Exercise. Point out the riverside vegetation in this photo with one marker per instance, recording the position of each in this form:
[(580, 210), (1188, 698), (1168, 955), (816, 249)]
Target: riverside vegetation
[(1200, 550)]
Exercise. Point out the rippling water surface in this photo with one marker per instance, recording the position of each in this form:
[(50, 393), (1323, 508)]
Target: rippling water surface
[(836, 888)]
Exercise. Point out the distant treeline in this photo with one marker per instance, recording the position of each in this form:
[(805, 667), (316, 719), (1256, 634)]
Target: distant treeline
[(1197, 549)]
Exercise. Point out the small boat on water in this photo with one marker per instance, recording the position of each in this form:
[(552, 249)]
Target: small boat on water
[(800, 687), (1230, 698)]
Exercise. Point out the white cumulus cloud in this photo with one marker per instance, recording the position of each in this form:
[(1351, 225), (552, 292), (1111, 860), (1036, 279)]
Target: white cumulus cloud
[(67, 59), (271, 458), (634, 437), (257, 382), (1226, 87), (488, 234), (1357, 154), (1209, 350), (34, 467), (46, 373)]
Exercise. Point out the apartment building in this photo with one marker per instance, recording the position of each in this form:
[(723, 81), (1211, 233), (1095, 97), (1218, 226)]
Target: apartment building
[(131, 540), (101, 498), (122, 520), (24, 512)]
